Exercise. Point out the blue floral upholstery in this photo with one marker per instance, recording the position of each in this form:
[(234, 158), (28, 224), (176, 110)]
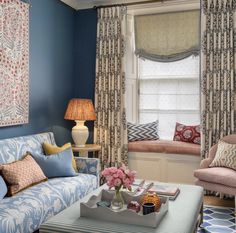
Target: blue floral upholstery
[(89, 166), (27, 210), (13, 149), (24, 212)]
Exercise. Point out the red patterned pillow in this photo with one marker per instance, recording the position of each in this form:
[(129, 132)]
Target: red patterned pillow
[(186, 133)]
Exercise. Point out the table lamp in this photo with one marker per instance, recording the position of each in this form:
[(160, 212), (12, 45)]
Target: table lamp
[(80, 110)]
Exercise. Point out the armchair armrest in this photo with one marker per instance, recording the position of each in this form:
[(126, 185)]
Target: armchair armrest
[(89, 166), (206, 162)]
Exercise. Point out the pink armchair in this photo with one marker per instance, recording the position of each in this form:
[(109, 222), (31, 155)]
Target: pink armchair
[(219, 179)]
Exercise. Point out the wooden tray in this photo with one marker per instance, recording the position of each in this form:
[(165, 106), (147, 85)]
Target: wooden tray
[(90, 209)]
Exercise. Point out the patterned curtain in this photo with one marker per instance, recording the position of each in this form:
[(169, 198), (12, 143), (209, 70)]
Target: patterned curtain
[(110, 127), (218, 99)]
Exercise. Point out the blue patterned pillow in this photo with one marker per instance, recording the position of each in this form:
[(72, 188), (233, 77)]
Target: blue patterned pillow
[(142, 132), (56, 165), (3, 188)]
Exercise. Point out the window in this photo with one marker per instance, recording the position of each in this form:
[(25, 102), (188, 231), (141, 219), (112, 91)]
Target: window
[(169, 92), (164, 91)]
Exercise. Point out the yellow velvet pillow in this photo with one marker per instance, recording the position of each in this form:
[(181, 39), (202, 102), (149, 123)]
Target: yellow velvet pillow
[(53, 149)]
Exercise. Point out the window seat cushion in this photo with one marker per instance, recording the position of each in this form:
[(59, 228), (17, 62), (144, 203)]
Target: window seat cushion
[(165, 146)]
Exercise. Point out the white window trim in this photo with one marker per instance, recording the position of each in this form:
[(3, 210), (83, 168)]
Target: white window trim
[(165, 6)]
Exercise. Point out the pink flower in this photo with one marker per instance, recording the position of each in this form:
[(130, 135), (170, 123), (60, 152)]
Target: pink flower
[(109, 177), (132, 173), (117, 182), (126, 183), (118, 177), (120, 174), (106, 172), (113, 170), (115, 175)]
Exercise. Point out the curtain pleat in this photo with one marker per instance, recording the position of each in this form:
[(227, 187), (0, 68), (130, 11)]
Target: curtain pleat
[(110, 126), (218, 71)]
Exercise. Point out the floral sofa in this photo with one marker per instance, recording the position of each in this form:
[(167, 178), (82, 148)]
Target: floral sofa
[(27, 210)]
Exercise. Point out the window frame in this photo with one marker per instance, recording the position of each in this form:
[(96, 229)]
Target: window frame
[(177, 111), (131, 60)]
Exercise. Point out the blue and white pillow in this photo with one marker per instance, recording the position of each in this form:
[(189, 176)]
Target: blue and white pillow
[(142, 132), (56, 165)]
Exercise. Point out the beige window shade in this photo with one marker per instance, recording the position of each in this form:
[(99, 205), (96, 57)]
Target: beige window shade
[(167, 37)]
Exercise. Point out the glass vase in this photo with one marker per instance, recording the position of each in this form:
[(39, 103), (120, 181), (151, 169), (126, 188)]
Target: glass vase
[(117, 202)]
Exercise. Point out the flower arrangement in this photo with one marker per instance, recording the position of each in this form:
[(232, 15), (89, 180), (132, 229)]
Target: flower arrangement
[(119, 178)]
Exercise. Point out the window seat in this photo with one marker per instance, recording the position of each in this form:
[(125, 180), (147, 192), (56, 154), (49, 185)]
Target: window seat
[(165, 146), (165, 161)]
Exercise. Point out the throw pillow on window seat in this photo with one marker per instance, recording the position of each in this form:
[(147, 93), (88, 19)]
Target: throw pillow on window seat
[(142, 132), (186, 133), (50, 149), (56, 165), (22, 174), (225, 156)]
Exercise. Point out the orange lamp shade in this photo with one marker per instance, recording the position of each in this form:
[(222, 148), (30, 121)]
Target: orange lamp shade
[(80, 110)]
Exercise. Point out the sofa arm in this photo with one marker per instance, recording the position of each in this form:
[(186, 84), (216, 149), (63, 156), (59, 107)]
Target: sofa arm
[(89, 166)]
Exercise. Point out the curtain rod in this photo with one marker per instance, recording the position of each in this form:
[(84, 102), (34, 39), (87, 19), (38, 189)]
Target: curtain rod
[(128, 4)]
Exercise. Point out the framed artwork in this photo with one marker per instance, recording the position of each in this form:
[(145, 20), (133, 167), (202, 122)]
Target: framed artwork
[(14, 62)]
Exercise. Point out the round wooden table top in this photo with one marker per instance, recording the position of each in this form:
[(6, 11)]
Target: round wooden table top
[(86, 148)]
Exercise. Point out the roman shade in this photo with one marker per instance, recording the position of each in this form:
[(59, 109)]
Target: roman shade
[(167, 37)]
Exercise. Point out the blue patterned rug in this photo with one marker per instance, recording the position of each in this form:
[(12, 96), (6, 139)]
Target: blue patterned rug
[(218, 220)]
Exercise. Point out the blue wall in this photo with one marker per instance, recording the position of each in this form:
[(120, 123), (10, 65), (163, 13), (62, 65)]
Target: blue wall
[(52, 70), (85, 47), (62, 66)]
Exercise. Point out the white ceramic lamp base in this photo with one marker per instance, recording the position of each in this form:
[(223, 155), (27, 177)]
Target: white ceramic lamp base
[(80, 134)]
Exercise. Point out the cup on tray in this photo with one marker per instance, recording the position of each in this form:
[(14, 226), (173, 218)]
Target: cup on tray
[(148, 208)]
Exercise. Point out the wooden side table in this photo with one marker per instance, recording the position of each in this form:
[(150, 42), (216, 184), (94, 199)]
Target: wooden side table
[(83, 151)]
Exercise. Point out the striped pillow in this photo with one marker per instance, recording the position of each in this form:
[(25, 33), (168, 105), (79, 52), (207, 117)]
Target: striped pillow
[(143, 132), (225, 156)]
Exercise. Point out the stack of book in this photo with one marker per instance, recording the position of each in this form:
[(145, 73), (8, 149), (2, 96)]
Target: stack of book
[(161, 189), (165, 190)]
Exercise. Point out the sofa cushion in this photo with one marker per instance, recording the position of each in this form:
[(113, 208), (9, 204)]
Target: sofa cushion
[(187, 133), (3, 188), (165, 146), (225, 155), (27, 210), (140, 132), (57, 165), (50, 149), (219, 175), (22, 174)]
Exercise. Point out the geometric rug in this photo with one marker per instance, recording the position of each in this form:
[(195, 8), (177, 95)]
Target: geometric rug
[(218, 220)]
